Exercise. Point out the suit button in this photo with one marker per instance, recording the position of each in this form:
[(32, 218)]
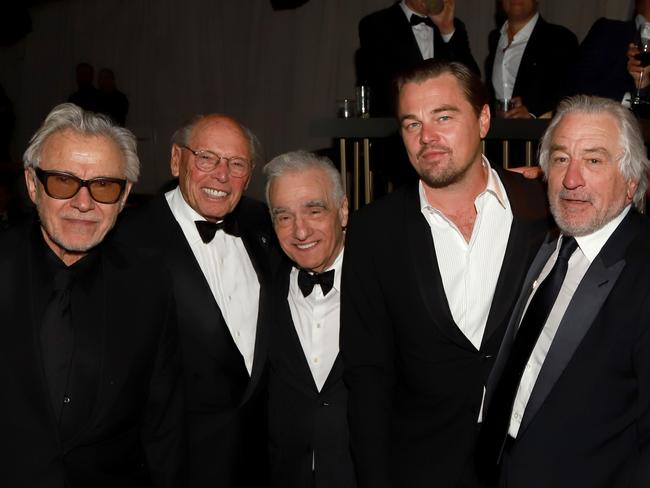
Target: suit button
[(66, 400), (487, 356), (325, 404)]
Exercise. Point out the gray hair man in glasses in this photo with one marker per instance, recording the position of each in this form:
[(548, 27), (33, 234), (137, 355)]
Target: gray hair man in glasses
[(219, 247), (96, 392)]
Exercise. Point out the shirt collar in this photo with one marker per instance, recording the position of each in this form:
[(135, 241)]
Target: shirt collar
[(591, 244), (408, 12), (185, 215), (524, 34), (493, 187), (639, 20)]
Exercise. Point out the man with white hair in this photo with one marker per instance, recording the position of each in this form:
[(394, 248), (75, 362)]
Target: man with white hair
[(568, 400), (308, 430), (89, 360)]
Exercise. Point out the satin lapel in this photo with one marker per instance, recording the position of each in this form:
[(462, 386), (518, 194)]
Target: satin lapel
[(403, 33), (581, 312), (526, 232), (257, 244), (504, 352), (288, 339), (190, 285), (336, 373), (528, 59), (424, 265)]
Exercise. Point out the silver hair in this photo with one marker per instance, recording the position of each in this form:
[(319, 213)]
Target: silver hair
[(633, 164), (68, 116), (182, 136), (302, 161)]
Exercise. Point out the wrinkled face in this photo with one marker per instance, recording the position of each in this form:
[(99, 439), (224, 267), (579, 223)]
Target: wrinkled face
[(73, 226), (519, 10), (440, 129), (213, 194), (585, 186), (307, 221)]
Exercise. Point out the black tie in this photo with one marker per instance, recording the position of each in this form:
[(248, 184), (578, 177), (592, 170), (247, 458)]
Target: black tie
[(497, 421), (207, 230), (307, 281), (57, 338), (417, 20)]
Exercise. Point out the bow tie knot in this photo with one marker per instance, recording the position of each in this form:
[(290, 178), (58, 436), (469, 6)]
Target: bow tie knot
[(306, 281), (417, 20), (207, 229)]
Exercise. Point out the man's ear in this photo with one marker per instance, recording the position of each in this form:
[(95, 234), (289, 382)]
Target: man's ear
[(30, 182), (175, 161)]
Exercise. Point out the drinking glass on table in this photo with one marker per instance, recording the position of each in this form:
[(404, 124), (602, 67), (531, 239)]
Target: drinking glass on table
[(644, 57)]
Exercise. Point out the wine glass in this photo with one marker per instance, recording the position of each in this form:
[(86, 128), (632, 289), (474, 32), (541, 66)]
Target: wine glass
[(644, 57)]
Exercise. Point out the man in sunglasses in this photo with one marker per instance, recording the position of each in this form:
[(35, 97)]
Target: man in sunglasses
[(219, 247), (89, 360)]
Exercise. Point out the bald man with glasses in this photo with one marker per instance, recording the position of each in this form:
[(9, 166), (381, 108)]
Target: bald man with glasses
[(220, 249), (89, 356)]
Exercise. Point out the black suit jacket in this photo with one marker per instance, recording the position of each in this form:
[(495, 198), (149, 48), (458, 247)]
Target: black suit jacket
[(225, 408), (388, 46), (601, 67), (302, 419), (587, 422), (543, 75), (415, 381), (124, 426)]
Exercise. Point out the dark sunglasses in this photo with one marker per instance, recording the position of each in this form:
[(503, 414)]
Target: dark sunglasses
[(62, 186)]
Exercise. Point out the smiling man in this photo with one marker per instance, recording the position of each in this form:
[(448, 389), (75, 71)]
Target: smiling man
[(568, 402), (219, 247), (94, 381), (309, 443), (429, 278)]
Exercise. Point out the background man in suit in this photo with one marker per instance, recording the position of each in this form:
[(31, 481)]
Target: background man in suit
[(219, 247), (568, 402), (309, 443), (403, 35), (427, 287), (89, 358), (529, 60)]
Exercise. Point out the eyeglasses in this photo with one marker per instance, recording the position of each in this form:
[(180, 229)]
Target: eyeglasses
[(207, 161), (62, 186)]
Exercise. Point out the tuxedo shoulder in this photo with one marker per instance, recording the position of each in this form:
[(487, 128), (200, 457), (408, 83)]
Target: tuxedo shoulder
[(386, 212), (380, 17), (527, 196), (557, 32)]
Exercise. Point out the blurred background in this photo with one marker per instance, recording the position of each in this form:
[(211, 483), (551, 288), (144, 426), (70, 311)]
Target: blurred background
[(275, 65)]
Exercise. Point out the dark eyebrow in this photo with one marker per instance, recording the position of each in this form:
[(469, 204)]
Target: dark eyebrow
[(316, 204), (278, 210), (437, 110)]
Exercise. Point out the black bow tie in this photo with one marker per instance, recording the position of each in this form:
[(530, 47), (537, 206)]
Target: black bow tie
[(307, 281), (417, 20), (207, 230)]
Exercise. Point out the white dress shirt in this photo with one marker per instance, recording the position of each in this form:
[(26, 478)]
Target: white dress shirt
[(470, 270), (423, 33), (229, 272), (316, 318), (508, 58), (588, 248)]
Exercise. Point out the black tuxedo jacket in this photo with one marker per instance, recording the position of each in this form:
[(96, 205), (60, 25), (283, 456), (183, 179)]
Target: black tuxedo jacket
[(225, 410), (302, 419), (543, 76), (415, 381), (388, 46), (601, 67), (587, 422), (124, 423)]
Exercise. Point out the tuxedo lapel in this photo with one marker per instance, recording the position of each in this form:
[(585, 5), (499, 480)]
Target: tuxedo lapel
[(403, 35), (424, 264), (289, 348), (504, 352), (585, 305), (525, 232)]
